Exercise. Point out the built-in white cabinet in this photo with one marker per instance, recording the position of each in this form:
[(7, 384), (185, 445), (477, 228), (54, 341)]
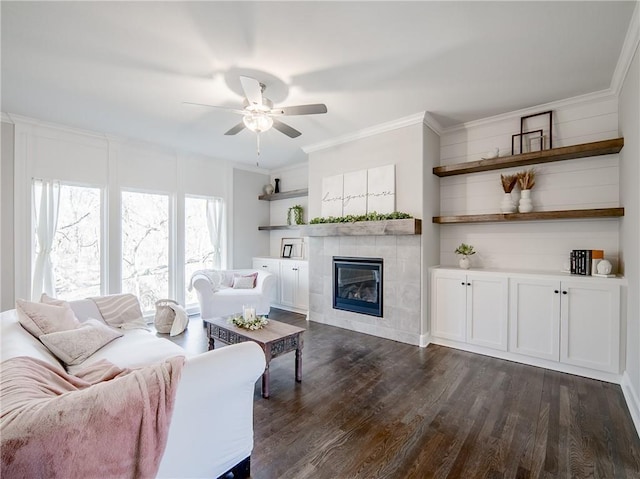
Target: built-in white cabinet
[(574, 322), (557, 321), (294, 284), (470, 308), (292, 290)]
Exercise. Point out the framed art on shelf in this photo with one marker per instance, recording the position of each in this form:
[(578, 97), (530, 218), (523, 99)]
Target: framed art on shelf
[(292, 248)]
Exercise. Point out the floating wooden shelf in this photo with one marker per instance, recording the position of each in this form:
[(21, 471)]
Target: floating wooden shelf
[(284, 195), (597, 148), (282, 227), (411, 226), (535, 216)]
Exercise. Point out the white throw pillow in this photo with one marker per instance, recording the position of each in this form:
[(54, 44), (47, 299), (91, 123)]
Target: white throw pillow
[(42, 318), (75, 345), (120, 310), (245, 282)]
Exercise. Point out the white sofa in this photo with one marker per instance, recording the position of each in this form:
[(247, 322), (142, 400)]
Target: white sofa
[(223, 300), (211, 430)]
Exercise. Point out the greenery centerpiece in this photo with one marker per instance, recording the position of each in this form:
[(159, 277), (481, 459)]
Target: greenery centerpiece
[(373, 216), (251, 323)]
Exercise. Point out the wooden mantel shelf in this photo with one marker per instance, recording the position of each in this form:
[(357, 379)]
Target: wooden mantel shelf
[(284, 195), (597, 148), (411, 226), (535, 216)]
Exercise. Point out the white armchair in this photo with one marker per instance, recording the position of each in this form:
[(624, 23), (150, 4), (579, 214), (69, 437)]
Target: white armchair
[(223, 300)]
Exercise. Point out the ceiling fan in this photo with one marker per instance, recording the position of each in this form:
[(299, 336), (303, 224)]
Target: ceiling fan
[(258, 113)]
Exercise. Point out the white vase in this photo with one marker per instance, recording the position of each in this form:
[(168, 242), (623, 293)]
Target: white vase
[(268, 189), (525, 202), (464, 262), (507, 205)]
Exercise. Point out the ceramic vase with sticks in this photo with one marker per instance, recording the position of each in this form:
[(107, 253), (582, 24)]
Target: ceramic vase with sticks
[(508, 183)]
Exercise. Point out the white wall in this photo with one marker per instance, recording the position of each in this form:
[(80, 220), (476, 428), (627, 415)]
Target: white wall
[(44, 150), (402, 147), (6, 218), (575, 184), (629, 104), (248, 214)]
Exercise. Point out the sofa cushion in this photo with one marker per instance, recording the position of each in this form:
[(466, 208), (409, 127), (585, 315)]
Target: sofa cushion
[(76, 345), (42, 318), (136, 348)]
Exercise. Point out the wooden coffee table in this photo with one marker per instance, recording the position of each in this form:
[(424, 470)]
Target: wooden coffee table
[(275, 339)]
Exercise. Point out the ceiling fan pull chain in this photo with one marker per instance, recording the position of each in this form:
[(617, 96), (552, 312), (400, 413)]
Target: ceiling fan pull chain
[(257, 147)]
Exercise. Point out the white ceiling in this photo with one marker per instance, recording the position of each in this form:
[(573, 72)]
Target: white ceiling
[(124, 68)]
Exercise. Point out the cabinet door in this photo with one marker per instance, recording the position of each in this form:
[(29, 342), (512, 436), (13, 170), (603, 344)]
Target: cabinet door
[(590, 326), (448, 293), (273, 267), (288, 283), (534, 318), (302, 291), (487, 308)]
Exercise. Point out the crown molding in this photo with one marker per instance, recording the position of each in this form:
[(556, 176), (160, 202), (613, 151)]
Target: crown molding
[(366, 132), (432, 123), (629, 48), (553, 105), (5, 117)]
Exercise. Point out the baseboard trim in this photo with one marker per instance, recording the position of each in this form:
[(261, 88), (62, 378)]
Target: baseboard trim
[(531, 361), (633, 402)]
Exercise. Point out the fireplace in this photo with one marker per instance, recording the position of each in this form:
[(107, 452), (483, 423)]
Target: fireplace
[(357, 285)]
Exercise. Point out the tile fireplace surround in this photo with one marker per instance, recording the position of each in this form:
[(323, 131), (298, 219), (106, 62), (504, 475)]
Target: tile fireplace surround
[(402, 303)]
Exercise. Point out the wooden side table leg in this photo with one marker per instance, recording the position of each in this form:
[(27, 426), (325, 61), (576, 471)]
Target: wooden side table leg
[(265, 382), (298, 365)]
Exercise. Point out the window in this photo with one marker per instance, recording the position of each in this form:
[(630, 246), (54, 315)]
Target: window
[(145, 247), (203, 238), (75, 235)]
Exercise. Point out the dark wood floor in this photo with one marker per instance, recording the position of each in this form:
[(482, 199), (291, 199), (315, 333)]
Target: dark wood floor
[(373, 408)]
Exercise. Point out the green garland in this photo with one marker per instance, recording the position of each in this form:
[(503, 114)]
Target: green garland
[(396, 215)]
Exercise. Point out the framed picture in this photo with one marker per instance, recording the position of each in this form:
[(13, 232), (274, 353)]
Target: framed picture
[(295, 250)]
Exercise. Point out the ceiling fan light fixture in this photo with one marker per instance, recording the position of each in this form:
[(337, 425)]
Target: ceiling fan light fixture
[(257, 122)]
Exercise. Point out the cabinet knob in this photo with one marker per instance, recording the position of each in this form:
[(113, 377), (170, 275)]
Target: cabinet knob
[(556, 291), (462, 283), (564, 292), (468, 284)]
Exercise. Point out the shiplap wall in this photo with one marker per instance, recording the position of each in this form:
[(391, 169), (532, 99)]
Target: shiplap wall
[(574, 184)]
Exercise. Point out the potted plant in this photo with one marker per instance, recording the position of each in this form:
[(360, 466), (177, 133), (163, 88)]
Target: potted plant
[(465, 250), (508, 183), (297, 215)]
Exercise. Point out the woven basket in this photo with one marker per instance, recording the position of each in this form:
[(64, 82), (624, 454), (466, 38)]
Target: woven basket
[(164, 315)]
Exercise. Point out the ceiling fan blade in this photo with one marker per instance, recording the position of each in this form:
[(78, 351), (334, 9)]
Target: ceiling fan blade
[(236, 129), (301, 109), (286, 129), (234, 110), (252, 90)]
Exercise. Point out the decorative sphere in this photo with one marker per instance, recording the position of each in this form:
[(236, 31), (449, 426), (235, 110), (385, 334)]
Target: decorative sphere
[(268, 189), (604, 267)]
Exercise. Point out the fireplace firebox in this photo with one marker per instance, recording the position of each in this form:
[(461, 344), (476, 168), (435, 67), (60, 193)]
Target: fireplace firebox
[(357, 285)]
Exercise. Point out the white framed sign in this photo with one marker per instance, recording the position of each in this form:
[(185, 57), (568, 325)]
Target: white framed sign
[(381, 189), (332, 196), (354, 197)]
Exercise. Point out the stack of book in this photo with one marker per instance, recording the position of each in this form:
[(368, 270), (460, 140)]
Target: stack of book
[(585, 261)]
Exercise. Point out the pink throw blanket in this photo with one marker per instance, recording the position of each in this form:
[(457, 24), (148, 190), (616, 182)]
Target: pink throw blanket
[(105, 422)]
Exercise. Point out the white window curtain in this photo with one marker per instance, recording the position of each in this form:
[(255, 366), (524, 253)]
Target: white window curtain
[(215, 212), (46, 201)]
